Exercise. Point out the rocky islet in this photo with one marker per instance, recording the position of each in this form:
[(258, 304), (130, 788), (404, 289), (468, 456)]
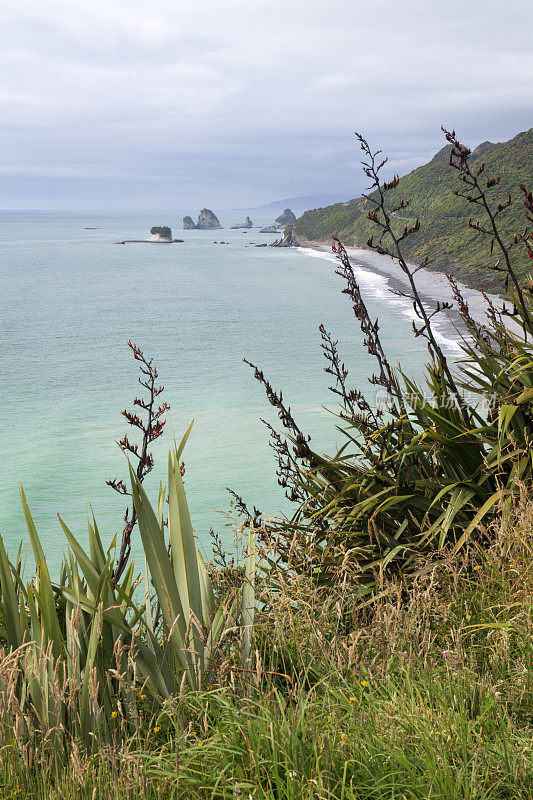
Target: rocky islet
[(207, 221)]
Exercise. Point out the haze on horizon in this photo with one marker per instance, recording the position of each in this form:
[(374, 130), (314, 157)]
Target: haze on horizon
[(129, 105)]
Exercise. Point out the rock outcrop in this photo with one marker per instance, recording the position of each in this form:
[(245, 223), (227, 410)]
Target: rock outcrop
[(288, 240), (287, 218), (160, 233), (207, 220), (247, 224)]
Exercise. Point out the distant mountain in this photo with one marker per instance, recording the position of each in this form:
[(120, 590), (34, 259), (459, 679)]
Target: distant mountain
[(303, 203), (444, 235)]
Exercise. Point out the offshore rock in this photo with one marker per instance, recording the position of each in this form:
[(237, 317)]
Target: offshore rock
[(270, 229), (207, 220), (288, 240), (287, 218), (247, 224), (161, 233)]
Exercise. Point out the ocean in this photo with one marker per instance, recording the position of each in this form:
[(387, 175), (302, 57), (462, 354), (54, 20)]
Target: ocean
[(72, 298)]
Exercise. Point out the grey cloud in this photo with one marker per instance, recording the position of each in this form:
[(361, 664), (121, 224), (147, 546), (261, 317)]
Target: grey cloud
[(255, 99)]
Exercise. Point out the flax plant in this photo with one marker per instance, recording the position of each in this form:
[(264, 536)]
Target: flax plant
[(422, 465), (84, 649)]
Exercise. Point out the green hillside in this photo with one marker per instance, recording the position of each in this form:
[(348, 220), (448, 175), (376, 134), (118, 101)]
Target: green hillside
[(444, 236)]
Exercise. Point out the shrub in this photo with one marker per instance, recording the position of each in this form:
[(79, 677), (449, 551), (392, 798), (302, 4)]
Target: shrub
[(80, 652), (163, 230), (425, 470)]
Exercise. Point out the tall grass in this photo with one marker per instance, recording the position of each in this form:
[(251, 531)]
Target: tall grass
[(426, 693), (77, 652), (386, 651)]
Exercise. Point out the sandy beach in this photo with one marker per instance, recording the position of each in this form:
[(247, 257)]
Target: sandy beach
[(433, 286)]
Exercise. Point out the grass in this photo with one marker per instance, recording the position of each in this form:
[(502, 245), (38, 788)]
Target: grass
[(397, 678), (424, 694)]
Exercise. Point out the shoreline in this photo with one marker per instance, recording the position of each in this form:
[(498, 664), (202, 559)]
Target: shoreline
[(433, 286)]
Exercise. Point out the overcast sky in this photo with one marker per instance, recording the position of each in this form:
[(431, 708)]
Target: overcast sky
[(233, 103)]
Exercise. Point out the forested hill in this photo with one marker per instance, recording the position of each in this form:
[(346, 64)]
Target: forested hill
[(444, 235)]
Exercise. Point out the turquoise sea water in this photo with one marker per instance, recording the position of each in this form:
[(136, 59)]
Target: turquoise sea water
[(71, 299)]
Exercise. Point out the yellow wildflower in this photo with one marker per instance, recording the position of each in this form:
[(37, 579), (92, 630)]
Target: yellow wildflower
[(468, 616), (342, 735), (364, 683), (114, 714), (477, 566), (157, 729), (143, 697), (200, 744), (353, 699)]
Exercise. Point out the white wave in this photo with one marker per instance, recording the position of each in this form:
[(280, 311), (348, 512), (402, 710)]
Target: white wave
[(378, 287)]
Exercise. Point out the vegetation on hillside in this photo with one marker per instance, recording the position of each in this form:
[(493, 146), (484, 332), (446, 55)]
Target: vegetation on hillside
[(422, 465), (424, 694), (444, 236), (377, 647)]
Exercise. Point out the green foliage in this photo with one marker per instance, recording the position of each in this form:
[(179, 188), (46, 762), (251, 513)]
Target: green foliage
[(444, 236), (415, 484), (392, 647), (425, 697), (163, 230), (84, 647), (408, 484)]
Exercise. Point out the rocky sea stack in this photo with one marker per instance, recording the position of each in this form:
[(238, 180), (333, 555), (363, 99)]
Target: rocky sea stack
[(207, 221), (288, 240), (287, 218), (246, 224)]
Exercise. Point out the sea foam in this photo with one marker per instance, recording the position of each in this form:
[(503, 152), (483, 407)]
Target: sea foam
[(378, 286)]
